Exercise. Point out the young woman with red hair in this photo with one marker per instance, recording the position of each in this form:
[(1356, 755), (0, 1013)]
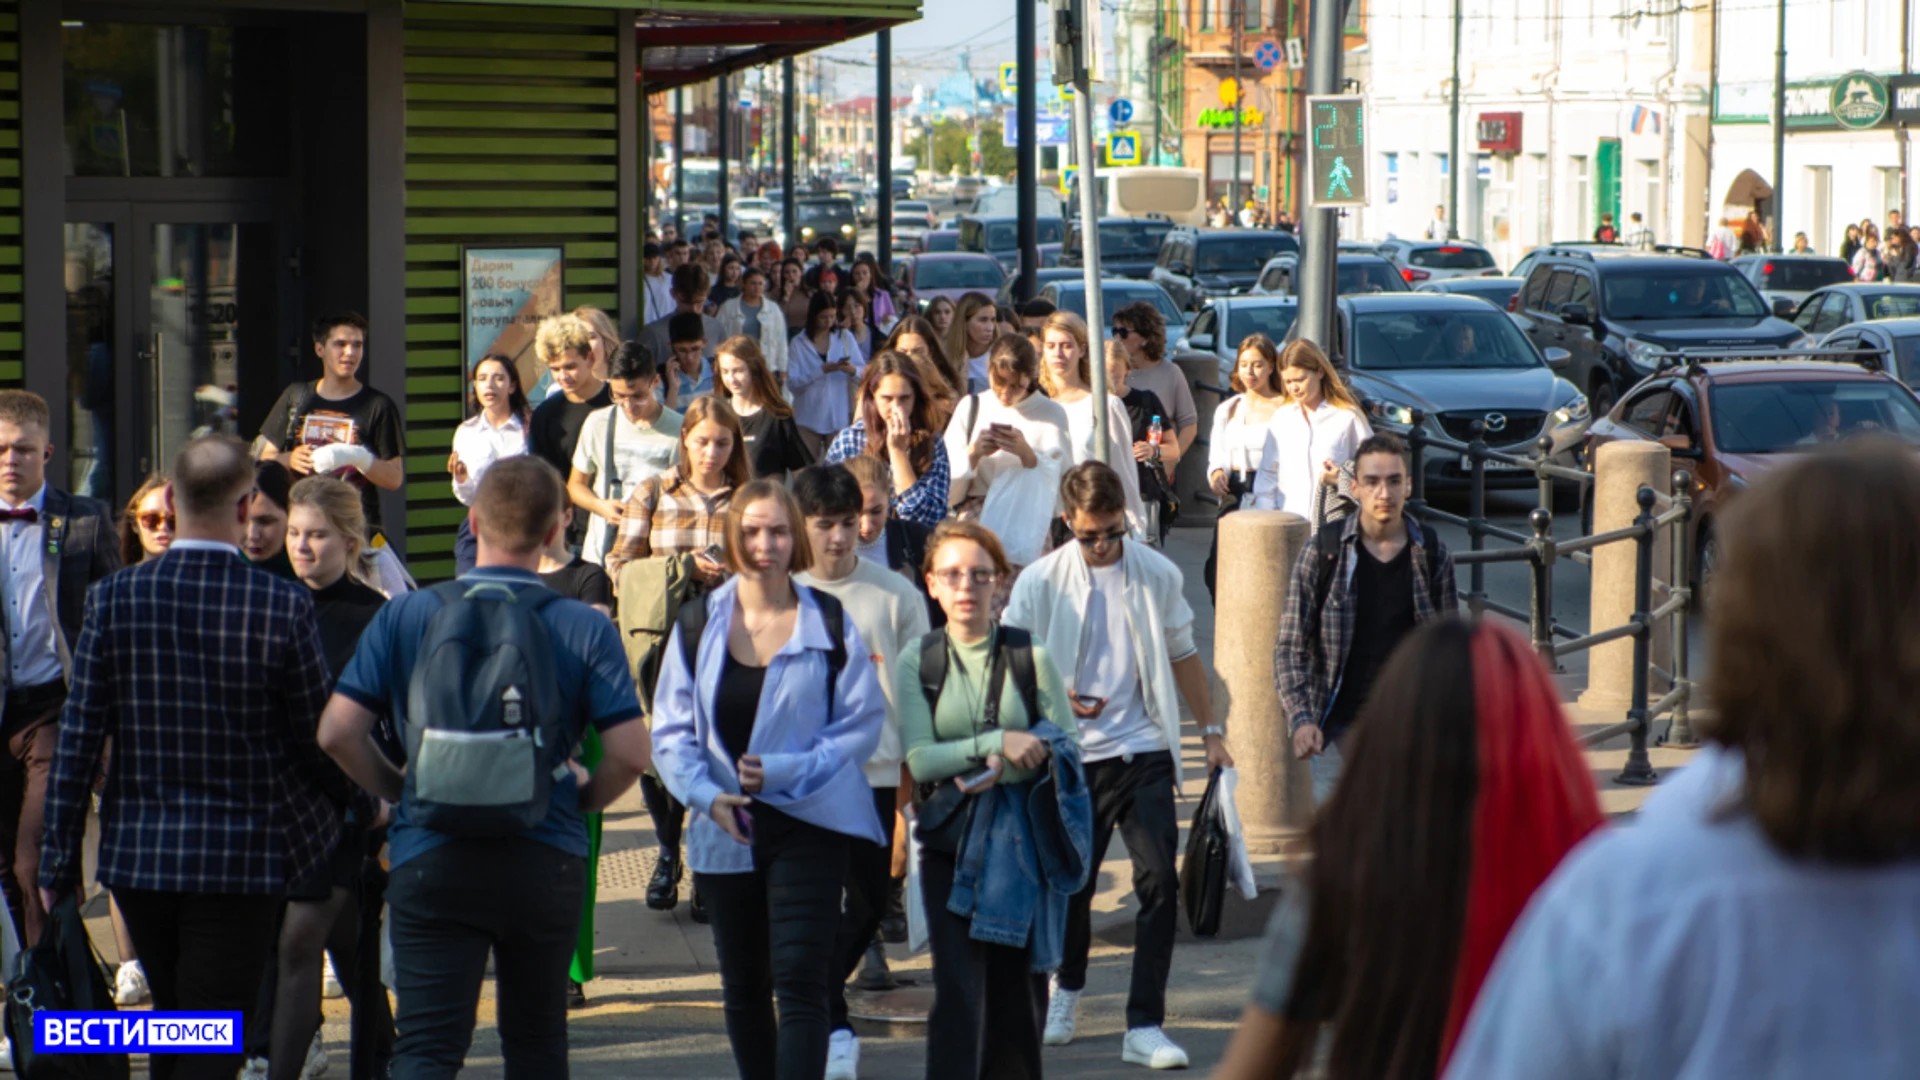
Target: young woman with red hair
[(1463, 790)]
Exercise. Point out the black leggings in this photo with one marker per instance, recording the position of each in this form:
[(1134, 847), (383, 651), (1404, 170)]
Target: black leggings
[(773, 929), (668, 813)]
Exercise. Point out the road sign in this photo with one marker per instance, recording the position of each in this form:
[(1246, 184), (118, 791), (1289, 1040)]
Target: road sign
[(1336, 150), (1120, 111), (1296, 54), (1009, 77), (1267, 55), (1123, 148), (1229, 91), (1067, 173)]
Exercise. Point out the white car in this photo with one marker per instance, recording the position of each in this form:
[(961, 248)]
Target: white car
[(1437, 260), (912, 219), (754, 211)]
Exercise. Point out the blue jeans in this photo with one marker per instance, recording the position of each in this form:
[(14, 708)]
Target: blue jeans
[(1325, 767)]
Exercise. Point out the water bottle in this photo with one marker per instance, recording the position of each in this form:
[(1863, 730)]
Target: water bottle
[(1156, 431)]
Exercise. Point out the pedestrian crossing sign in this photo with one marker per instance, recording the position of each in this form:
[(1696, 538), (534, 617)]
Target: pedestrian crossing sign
[(1009, 77), (1123, 148)]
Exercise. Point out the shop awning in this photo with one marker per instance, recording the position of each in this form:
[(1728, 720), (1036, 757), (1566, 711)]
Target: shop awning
[(689, 41)]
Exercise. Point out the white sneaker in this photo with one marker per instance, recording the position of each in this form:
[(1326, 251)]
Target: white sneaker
[(316, 1064), (130, 984), (1150, 1046), (843, 1056), (254, 1069), (329, 982), (1063, 1015), (6, 1054)]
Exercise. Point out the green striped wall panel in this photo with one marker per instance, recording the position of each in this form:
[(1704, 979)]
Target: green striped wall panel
[(511, 141), (11, 358)]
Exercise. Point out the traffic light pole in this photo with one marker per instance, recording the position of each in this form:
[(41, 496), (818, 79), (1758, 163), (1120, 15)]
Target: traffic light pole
[(1319, 227), (1072, 44), (883, 152), (787, 142), (1026, 154)]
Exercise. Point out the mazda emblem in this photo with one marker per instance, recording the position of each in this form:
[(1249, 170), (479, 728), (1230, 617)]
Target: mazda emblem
[(1496, 422)]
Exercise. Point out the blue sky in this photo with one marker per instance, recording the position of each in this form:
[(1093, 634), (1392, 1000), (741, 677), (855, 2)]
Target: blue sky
[(925, 51)]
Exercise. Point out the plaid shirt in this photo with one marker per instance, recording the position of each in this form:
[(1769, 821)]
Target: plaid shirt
[(1309, 659), (667, 516), (924, 502), (209, 676)]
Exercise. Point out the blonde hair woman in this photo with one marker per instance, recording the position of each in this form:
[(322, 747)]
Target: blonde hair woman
[(976, 322), (1314, 433), (1066, 374), (606, 336)]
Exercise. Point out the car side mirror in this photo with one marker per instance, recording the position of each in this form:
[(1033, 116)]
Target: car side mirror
[(1576, 315), (1558, 359), (1783, 307), (1201, 342), (1681, 446)]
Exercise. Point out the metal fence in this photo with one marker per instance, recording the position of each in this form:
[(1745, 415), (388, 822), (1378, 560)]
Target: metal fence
[(1541, 551)]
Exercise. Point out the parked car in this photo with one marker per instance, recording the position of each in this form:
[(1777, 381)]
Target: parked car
[(1892, 344), (753, 213), (902, 187), (1049, 254), (1524, 267), (1070, 294), (1498, 291), (966, 189), (1000, 236), (952, 275), (1195, 264), (936, 240), (1226, 321), (911, 221), (1457, 360), (1434, 260), (1726, 423), (826, 215), (1835, 306), (1354, 273), (1619, 312), (1129, 246), (1004, 201), (1792, 276), (1041, 278)]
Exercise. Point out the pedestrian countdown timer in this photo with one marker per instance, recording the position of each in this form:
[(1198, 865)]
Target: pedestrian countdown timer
[(1336, 151)]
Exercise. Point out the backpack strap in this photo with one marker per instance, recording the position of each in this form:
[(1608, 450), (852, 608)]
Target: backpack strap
[(933, 666), (301, 404), (1018, 645), (692, 621), (1327, 546), (1430, 545)]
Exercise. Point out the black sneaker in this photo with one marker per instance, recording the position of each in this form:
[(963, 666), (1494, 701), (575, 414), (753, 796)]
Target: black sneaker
[(699, 909), (873, 973), (893, 923), (663, 892), (576, 995)]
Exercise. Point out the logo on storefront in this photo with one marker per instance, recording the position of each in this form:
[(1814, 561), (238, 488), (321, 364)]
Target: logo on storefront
[(1859, 100)]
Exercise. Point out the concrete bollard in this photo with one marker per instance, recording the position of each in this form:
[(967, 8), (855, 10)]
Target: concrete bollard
[(1258, 549), (1190, 476), (1621, 469)]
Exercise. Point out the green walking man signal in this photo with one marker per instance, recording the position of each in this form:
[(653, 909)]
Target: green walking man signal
[(1336, 150)]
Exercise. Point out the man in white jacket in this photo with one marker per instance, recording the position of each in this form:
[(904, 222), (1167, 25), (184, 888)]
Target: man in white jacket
[(891, 617), (1118, 609), (751, 314)]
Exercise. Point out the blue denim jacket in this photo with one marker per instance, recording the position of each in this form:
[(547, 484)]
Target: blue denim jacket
[(1022, 860)]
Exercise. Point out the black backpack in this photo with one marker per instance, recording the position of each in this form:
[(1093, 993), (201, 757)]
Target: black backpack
[(486, 738), (943, 810), (692, 621)]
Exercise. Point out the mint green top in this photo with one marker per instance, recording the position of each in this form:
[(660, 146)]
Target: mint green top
[(955, 740)]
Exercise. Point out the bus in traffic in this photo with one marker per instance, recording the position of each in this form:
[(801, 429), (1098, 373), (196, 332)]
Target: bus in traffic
[(1179, 194)]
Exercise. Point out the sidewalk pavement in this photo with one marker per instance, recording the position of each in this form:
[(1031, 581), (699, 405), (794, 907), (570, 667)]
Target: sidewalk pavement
[(656, 999)]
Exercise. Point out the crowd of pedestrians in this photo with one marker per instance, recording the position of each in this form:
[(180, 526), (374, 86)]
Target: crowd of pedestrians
[(818, 571)]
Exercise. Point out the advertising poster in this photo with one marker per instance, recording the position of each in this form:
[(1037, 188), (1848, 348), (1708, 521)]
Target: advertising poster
[(505, 292)]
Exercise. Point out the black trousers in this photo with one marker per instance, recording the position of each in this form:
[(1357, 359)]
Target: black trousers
[(518, 899), (668, 813), (987, 1006), (201, 951), (1137, 796), (773, 929), (869, 880)]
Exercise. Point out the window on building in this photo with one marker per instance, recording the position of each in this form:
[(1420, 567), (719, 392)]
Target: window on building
[(1819, 211), (1206, 13), (1250, 13), (1582, 197), (1890, 193), (1651, 200), (1542, 199)]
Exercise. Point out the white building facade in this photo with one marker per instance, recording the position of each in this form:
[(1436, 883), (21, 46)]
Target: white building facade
[(1569, 109)]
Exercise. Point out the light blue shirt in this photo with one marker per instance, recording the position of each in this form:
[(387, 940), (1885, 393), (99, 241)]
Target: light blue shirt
[(33, 652), (812, 756), (1685, 946)]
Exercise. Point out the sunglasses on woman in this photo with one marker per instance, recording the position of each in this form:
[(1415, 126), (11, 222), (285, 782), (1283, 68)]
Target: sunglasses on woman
[(153, 519), (1121, 332)]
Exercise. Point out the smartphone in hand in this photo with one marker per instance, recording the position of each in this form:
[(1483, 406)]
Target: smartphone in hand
[(976, 779)]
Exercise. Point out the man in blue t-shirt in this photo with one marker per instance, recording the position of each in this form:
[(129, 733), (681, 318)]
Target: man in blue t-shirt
[(455, 899)]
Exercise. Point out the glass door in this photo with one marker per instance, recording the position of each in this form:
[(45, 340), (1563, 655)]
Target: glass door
[(190, 352)]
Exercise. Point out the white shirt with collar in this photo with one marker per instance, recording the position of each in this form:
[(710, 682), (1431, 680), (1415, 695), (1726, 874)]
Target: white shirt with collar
[(33, 651), (204, 545), (480, 444), (1299, 443)]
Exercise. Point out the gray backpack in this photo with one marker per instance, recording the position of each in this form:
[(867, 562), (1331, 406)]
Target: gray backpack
[(485, 734)]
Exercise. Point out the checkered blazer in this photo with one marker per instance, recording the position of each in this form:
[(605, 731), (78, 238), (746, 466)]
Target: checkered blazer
[(210, 678)]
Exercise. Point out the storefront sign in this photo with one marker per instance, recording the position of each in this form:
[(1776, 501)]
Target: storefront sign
[(1904, 90), (505, 292), (1500, 132), (1858, 100), (1811, 104), (1223, 118)]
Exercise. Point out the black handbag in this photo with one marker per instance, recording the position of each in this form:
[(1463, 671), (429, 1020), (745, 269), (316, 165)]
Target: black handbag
[(1203, 873), (61, 973)]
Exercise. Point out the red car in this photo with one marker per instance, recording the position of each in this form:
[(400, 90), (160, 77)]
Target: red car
[(1728, 422)]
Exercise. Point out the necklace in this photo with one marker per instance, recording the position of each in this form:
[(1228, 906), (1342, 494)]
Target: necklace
[(765, 625)]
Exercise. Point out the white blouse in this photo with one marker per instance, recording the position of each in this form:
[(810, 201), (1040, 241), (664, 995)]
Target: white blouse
[(1019, 501), (1119, 450), (480, 444), (822, 401), (1299, 444), (1238, 441)]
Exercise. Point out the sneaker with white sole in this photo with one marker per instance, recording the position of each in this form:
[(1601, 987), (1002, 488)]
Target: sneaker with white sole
[(1150, 1046), (130, 984), (329, 982), (254, 1069), (316, 1064), (843, 1056), (1063, 1016), (6, 1054)]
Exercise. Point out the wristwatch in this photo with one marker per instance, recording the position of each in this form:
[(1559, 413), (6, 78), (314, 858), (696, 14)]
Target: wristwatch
[(1213, 729)]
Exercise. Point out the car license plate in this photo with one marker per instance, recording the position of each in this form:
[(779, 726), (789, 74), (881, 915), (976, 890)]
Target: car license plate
[(1466, 465)]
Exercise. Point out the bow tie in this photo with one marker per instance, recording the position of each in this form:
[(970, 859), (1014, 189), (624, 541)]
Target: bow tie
[(26, 513)]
